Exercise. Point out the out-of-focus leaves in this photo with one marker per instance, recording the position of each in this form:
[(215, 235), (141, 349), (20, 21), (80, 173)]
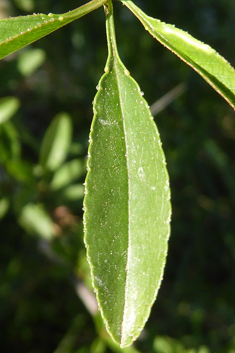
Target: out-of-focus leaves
[(73, 192), (26, 5), (21, 170), (10, 147), (35, 220), (8, 107), (56, 142), (68, 173), (4, 206), (30, 60)]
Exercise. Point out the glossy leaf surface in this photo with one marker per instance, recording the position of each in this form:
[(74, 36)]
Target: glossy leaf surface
[(17, 32), (127, 202), (201, 57)]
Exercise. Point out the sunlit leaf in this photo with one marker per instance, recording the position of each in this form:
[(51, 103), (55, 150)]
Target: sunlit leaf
[(201, 57), (67, 173), (56, 142), (30, 60), (17, 32), (127, 201), (8, 107), (34, 219)]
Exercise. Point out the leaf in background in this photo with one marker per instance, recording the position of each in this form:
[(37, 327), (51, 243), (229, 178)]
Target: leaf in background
[(8, 107), (4, 206), (201, 57), (67, 173), (34, 219), (10, 146), (17, 32), (127, 201), (56, 142), (30, 60)]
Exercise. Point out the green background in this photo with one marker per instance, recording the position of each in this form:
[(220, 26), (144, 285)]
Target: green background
[(39, 308)]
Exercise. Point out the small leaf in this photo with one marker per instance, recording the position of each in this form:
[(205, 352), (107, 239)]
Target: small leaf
[(30, 60), (4, 207), (56, 142), (8, 107), (17, 32), (34, 219), (10, 147), (127, 202), (67, 173), (201, 57)]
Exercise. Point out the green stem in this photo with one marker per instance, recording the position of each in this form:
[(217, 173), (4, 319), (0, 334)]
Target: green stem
[(85, 9), (110, 30)]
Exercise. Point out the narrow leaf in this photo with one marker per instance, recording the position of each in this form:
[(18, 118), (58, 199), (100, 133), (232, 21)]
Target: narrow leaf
[(201, 57), (17, 32), (8, 107), (35, 219), (67, 173), (127, 202), (56, 142)]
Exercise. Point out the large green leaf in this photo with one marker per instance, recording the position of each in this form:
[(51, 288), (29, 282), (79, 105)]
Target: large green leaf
[(201, 57), (17, 32), (127, 202)]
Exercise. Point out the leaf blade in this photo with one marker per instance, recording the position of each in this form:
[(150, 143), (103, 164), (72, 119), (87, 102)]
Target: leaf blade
[(17, 32), (127, 201), (201, 57), (56, 142)]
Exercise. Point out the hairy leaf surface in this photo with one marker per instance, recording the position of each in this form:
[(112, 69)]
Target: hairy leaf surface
[(201, 57), (17, 32), (127, 202)]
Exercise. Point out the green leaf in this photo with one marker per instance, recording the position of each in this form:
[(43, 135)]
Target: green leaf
[(56, 142), (17, 32), (34, 219), (127, 201), (4, 207), (30, 60), (67, 173), (201, 57), (10, 147), (8, 107)]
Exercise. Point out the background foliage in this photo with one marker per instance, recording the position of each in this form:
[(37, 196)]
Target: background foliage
[(42, 251)]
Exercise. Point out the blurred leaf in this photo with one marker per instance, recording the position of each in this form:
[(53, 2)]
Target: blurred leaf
[(127, 201), (8, 107), (201, 57), (167, 345), (17, 32), (4, 206), (21, 170), (34, 219), (67, 173), (30, 60), (10, 147), (56, 142), (74, 192), (26, 5)]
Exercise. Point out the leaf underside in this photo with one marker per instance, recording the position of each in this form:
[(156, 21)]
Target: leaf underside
[(201, 57), (127, 202)]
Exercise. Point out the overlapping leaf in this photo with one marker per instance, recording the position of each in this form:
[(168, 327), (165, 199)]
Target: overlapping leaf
[(127, 202), (201, 57)]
